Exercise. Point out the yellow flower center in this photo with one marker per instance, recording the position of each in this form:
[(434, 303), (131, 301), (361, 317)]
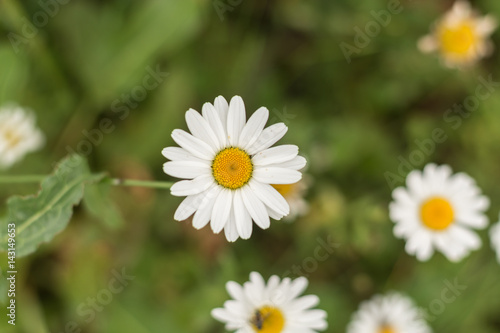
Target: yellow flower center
[(285, 189), (232, 168), (458, 39), (12, 138), (268, 320), (437, 213), (386, 329)]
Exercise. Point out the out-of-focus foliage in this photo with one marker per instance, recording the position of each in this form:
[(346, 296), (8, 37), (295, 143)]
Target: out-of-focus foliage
[(112, 79)]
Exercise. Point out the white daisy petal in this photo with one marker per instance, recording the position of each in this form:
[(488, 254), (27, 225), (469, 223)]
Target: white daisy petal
[(486, 25), (401, 195), (201, 129), (187, 207), (271, 175), (274, 155), (257, 281), (253, 128), (318, 325), (204, 211), (495, 239), (315, 316), (179, 154), (255, 208), (186, 169), (190, 187), (230, 230), (242, 217), (221, 211), (298, 286), (420, 244), (236, 119), (273, 214), (416, 184), (461, 9), (253, 292), (243, 330), (268, 137), (222, 108), (427, 44), (472, 219), (236, 308), (213, 118), (297, 163), (235, 291), (467, 237), (452, 250), (304, 303), (272, 198), (221, 314), (193, 145)]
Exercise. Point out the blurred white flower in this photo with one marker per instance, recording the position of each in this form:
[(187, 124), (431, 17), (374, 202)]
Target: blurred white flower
[(229, 166), (391, 313), (274, 307), (461, 36), (294, 195), (18, 134), (495, 239), (437, 211)]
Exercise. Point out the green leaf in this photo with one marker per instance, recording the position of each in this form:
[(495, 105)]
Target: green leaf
[(97, 202), (40, 218)]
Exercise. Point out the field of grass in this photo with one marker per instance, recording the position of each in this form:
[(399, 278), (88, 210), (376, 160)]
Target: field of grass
[(112, 79)]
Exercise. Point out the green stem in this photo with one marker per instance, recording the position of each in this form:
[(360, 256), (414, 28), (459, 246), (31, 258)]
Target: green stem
[(111, 181), (141, 183)]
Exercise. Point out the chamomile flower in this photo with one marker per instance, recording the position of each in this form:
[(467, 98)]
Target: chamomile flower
[(18, 135), (437, 210), (294, 195), (461, 36), (391, 313), (275, 307), (228, 165), (495, 239)]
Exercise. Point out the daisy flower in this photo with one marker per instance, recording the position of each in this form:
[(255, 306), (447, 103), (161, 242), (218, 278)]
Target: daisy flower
[(391, 313), (228, 165), (294, 195), (437, 211), (18, 135), (495, 239), (274, 307), (461, 36)]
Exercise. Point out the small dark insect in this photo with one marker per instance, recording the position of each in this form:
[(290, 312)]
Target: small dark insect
[(258, 320)]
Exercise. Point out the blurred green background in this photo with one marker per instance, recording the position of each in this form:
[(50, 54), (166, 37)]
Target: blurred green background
[(354, 122)]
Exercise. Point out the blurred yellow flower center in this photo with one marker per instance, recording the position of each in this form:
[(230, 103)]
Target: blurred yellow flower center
[(285, 189), (437, 213), (386, 329), (268, 320), (12, 138), (232, 168), (458, 39)]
